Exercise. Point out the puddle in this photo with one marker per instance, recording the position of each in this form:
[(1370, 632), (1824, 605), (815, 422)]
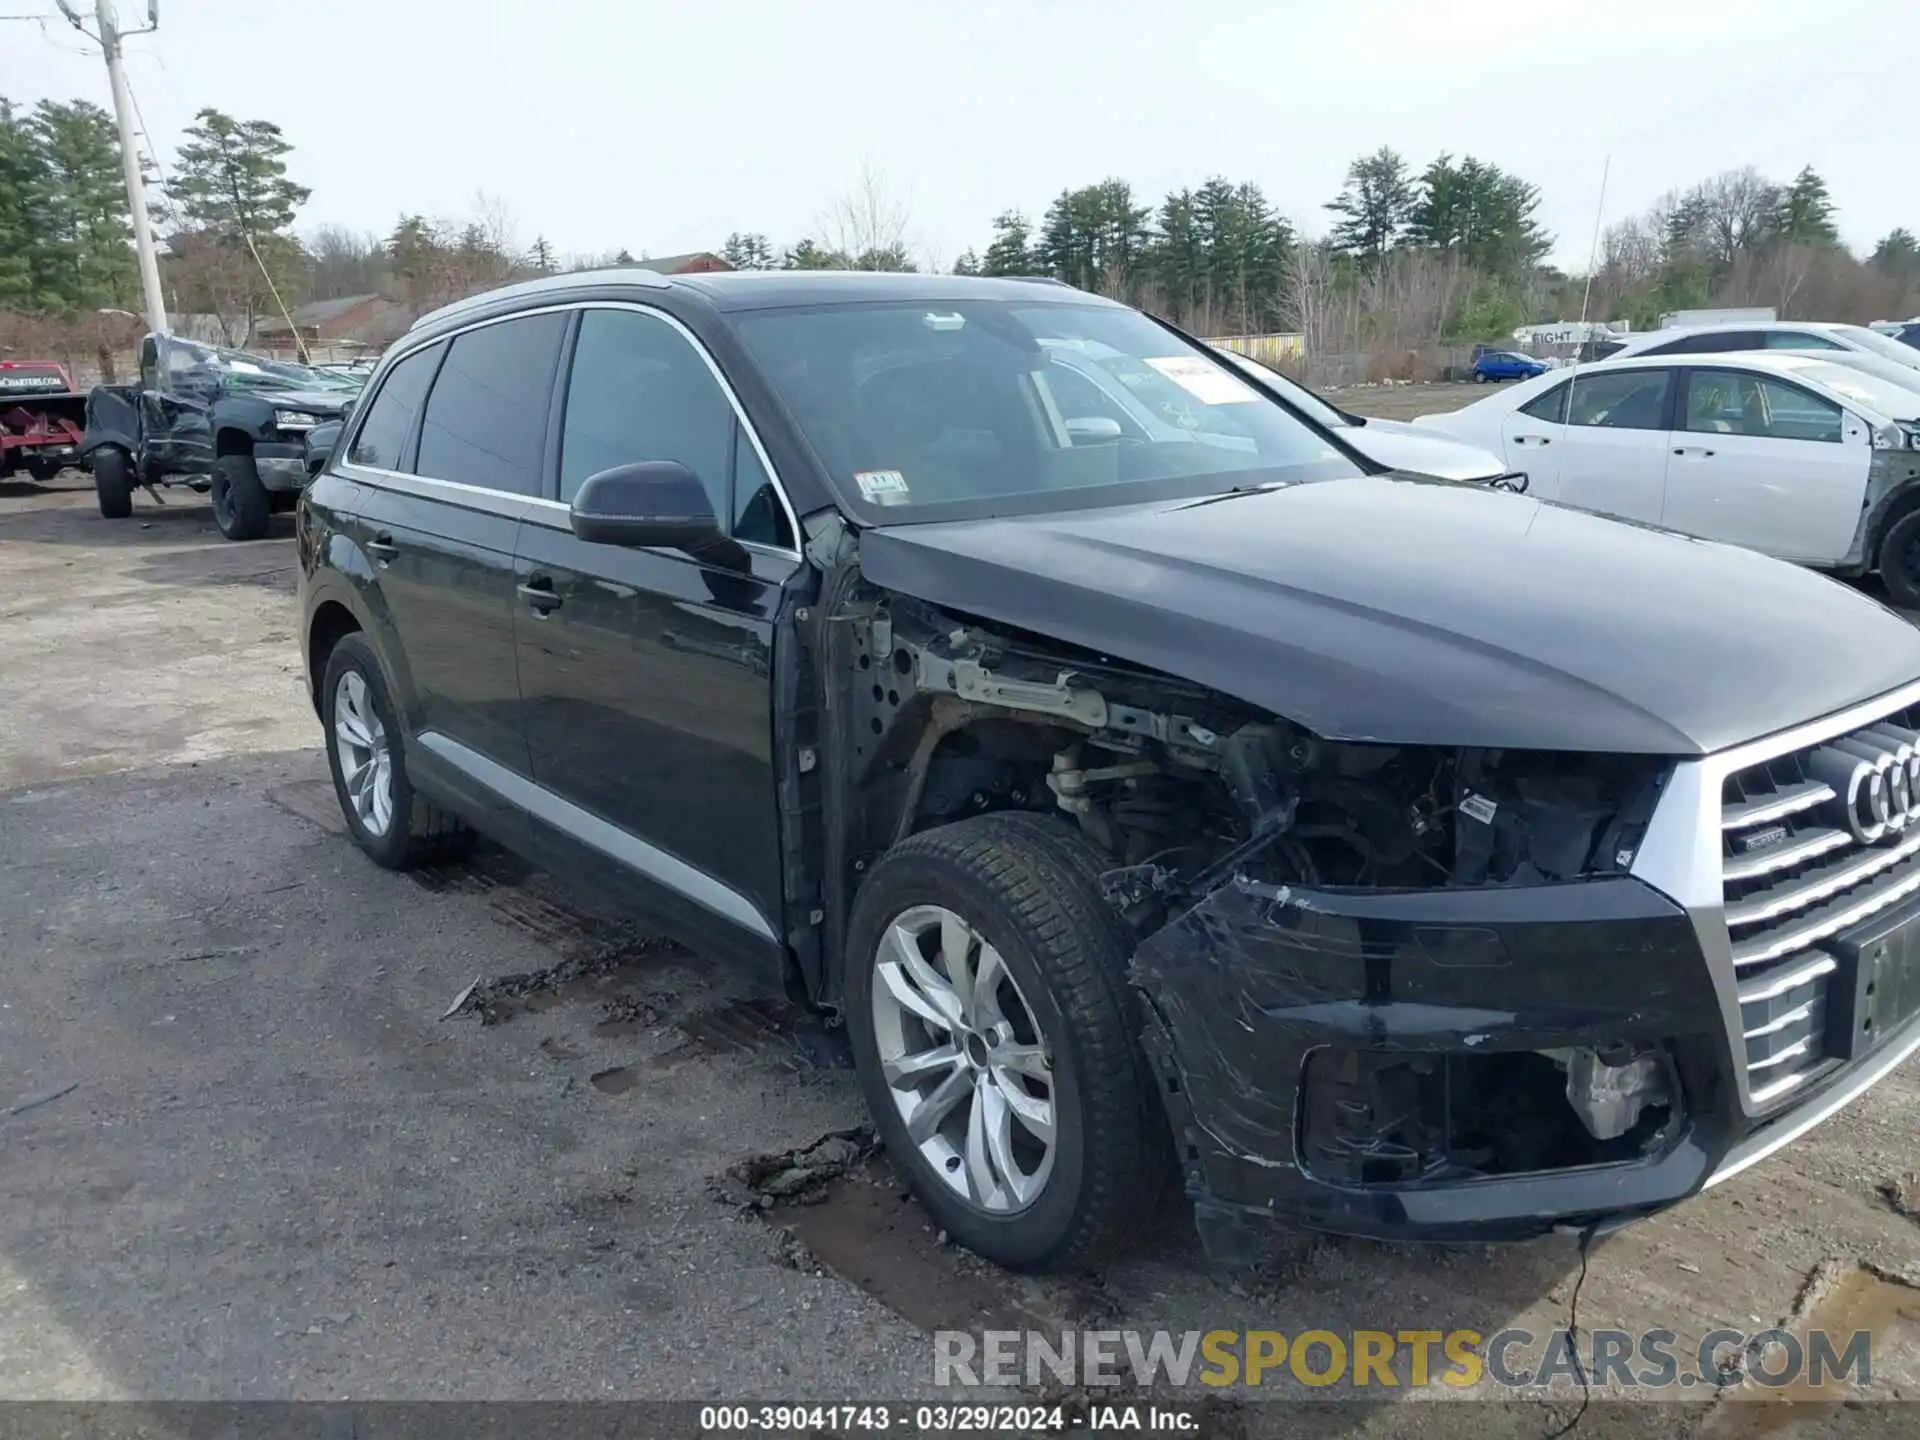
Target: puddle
[(1859, 1299), (617, 1081)]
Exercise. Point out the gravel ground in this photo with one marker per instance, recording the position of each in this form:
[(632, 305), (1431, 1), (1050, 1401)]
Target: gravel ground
[(280, 1173)]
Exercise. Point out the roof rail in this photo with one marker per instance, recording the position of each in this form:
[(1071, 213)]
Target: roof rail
[(547, 284)]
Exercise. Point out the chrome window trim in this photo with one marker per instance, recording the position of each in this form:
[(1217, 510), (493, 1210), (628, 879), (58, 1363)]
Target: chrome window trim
[(474, 496)]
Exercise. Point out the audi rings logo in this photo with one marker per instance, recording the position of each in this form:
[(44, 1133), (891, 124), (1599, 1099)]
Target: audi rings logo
[(1875, 777)]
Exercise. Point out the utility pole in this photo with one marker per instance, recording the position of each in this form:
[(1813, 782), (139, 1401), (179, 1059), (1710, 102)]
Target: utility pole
[(110, 37)]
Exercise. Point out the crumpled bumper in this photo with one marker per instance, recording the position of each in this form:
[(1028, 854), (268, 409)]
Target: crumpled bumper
[(1247, 986)]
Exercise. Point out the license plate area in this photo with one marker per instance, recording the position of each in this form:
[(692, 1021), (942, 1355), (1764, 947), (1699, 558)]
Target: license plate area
[(1878, 984)]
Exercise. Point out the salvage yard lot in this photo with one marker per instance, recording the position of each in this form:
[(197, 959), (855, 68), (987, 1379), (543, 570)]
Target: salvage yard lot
[(281, 1173)]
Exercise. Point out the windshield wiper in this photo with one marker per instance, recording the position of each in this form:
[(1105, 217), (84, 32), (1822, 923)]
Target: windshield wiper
[(1235, 493)]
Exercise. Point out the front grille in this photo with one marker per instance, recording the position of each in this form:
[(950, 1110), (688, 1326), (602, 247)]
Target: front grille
[(1812, 843)]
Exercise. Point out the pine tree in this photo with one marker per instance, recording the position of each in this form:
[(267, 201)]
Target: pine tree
[(22, 195), (1806, 211), (83, 258), (1373, 207), (1010, 252), (231, 196), (541, 257)]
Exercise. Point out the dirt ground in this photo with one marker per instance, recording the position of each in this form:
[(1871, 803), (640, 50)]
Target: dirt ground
[(243, 1155)]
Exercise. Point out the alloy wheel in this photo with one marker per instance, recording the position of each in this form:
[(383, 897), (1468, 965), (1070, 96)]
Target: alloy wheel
[(965, 1060), (366, 759)]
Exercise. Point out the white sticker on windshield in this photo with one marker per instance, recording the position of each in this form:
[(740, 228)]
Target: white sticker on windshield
[(881, 487), (1203, 380)]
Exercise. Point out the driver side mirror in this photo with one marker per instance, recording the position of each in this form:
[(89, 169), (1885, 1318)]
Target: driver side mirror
[(651, 504)]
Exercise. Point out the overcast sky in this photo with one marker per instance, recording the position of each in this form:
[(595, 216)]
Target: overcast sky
[(661, 127)]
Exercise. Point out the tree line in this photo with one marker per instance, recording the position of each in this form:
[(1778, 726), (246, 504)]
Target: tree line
[(1411, 254)]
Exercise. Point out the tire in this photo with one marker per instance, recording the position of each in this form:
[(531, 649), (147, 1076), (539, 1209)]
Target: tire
[(1479, 378), (44, 471), (1026, 887), (113, 482), (241, 506), (1899, 560), (414, 830)]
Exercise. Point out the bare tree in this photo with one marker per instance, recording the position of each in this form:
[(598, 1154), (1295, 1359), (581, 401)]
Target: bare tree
[(1739, 209), (869, 223), (1307, 284)]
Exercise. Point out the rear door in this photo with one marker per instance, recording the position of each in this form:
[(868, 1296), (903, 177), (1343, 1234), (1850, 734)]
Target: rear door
[(445, 498), (1613, 448), (1533, 438), (1761, 462), (646, 674)]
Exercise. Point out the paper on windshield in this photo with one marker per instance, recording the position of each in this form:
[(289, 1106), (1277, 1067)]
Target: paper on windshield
[(881, 487), (1203, 380)]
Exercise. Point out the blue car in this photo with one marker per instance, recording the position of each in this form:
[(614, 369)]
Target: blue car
[(1505, 365)]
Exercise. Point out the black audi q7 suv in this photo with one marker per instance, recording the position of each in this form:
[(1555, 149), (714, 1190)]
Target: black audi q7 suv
[(1185, 806)]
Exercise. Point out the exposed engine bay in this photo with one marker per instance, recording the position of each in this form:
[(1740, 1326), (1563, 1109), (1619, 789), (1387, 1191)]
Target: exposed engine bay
[(1182, 788)]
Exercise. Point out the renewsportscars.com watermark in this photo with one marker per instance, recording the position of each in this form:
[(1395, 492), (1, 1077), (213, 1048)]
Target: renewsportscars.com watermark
[(1400, 1359)]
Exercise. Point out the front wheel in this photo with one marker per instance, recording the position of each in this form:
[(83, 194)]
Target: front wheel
[(113, 482), (995, 1038), (241, 507), (1479, 377)]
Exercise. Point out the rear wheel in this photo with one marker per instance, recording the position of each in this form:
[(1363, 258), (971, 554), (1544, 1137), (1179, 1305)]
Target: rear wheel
[(367, 755), (241, 506), (1899, 560), (113, 482), (995, 1038), (43, 469)]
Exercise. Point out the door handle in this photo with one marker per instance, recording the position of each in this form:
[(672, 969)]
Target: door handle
[(1693, 450), (382, 548), (1531, 440), (539, 595)]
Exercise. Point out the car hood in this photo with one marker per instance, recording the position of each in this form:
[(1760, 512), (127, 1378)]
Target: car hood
[(316, 402), (1384, 608), (1401, 447)]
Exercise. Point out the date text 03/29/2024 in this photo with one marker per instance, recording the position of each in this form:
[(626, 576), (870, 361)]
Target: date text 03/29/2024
[(943, 1419)]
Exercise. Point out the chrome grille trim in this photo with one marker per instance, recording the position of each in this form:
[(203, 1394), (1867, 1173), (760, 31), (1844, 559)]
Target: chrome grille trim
[(1772, 986), (1797, 851), (1790, 801), (1772, 1027), (1830, 920)]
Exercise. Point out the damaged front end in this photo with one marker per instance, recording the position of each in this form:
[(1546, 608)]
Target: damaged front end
[(1387, 990), (1429, 1002)]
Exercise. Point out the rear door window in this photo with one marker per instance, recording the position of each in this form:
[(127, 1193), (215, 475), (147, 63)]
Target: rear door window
[(1626, 400), (485, 422), (1550, 407), (383, 435)]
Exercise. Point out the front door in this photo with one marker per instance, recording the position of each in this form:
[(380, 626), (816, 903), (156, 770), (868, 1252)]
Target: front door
[(1758, 461), (437, 531), (1613, 450), (646, 674)]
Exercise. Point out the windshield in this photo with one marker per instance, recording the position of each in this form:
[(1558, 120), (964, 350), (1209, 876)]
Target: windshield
[(936, 410), (1881, 345), (237, 368), (1295, 394)]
